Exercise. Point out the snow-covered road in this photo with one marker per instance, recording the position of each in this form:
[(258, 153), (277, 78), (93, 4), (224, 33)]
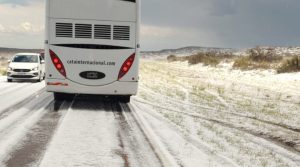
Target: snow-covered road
[(190, 116), (35, 130)]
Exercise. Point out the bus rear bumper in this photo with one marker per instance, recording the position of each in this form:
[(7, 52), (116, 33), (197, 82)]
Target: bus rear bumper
[(115, 88)]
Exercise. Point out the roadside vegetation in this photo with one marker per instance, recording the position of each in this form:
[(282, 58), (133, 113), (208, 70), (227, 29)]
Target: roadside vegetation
[(258, 58), (3, 66), (2, 71), (255, 58), (290, 65), (207, 58), (217, 108)]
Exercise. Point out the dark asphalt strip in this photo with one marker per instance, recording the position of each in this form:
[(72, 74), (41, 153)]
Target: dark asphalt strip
[(106, 105), (133, 138), (38, 138), (133, 145), (134, 148), (123, 128)]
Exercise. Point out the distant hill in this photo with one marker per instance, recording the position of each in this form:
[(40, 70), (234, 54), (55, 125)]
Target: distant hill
[(6, 53), (183, 51), (283, 51)]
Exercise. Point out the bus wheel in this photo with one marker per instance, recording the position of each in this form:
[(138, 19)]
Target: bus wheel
[(124, 99), (63, 96)]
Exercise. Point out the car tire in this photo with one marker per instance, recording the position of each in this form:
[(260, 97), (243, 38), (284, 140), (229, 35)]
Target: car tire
[(40, 78), (9, 80)]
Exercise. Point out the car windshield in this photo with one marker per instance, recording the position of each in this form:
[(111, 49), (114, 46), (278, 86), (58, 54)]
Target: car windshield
[(25, 59)]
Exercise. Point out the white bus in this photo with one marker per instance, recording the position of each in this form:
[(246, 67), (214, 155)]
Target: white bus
[(92, 47)]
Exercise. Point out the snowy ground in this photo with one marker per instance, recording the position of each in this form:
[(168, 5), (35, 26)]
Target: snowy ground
[(189, 116), (251, 118)]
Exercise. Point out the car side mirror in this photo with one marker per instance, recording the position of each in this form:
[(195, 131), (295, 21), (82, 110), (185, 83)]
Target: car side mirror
[(42, 61), (8, 61)]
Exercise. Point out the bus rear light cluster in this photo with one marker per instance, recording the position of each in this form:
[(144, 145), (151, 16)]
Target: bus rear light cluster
[(126, 66), (58, 63)]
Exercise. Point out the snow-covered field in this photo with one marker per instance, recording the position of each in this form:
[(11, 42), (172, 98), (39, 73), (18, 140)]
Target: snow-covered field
[(189, 116), (251, 118)]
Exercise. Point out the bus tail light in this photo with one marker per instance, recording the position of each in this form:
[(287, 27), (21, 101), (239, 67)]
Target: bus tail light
[(126, 66), (57, 84), (57, 63)]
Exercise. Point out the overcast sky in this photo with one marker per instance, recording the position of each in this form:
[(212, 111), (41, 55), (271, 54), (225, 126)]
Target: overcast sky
[(176, 23)]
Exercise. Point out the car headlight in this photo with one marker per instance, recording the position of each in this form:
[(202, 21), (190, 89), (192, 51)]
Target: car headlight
[(9, 69), (35, 69)]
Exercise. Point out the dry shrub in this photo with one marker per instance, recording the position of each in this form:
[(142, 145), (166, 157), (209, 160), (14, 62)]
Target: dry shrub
[(258, 54), (2, 71), (258, 58), (172, 58), (3, 63), (242, 63), (209, 58), (212, 58), (290, 65)]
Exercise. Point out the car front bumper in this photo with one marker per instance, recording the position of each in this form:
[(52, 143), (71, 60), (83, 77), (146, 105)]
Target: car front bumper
[(32, 75)]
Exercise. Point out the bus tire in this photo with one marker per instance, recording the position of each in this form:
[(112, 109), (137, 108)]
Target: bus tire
[(124, 99), (63, 96)]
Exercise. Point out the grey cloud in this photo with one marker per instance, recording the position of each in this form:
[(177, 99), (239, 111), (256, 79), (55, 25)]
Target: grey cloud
[(14, 2), (236, 23), (18, 2), (224, 7), (221, 23)]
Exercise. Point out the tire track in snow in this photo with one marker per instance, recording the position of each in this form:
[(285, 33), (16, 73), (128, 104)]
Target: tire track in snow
[(5, 112), (21, 114), (15, 126), (133, 140), (176, 101), (18, 95), (164, 155), (13, 87), (223, 101), (225, 161), (292, 151), (38, 137), (3, 85), (94, 133)]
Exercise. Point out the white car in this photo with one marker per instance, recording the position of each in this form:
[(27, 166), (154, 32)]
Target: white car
[(29, 66)]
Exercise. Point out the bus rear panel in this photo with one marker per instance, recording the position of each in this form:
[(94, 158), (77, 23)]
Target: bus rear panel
[(92, 46)]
